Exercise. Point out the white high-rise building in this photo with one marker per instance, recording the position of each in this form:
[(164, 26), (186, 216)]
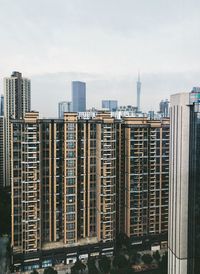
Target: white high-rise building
[(17, 101), (184, 187)]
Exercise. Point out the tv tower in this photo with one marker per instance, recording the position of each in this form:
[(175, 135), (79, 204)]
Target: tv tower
[(138, 92)]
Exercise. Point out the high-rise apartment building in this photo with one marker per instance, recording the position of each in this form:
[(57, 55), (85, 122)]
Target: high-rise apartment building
[(26, 184), (17, 101), (78, 96), (84, 178), (2, 151), (64, 106), (184, 190), (144, 182), (110, 105), (2, 105)]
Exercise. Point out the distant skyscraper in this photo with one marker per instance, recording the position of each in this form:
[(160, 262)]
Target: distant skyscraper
[(110, 104), (164, 108), (128, 108), (151, 114), (64, 107), (196, 89), (139, 93), (2, 105), (17, 101), (78, 96), (184, 190)]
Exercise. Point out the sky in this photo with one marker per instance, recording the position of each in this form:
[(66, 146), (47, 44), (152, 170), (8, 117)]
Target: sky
[(104, 43)]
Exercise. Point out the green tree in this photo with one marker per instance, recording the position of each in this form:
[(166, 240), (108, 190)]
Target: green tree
[(147, 259), (139, 256), (5, 212), (34, 272), (120, 261), (78, 267), (156, 256), (122, 241), (122, 271), (163, 264), (92, 269), (104, 264), (50, 270), (134, 257)]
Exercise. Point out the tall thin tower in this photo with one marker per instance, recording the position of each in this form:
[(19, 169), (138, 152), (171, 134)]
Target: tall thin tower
[(138, 92)]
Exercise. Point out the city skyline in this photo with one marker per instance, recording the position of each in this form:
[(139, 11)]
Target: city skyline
[(66, 52), (64, 80)]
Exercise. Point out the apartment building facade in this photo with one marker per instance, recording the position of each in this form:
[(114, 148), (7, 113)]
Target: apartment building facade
[(184, 190), (145, 182), (82, 180)]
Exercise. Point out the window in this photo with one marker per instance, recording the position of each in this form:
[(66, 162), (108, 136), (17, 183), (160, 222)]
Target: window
[(70, 226), (70, 235), (70, 190), (70, 217), (71, 199), (70, 181), (70, 208), (70, 172), (70, 154)]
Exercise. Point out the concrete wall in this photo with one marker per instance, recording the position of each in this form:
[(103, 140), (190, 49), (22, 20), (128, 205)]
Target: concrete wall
[(178, 189)]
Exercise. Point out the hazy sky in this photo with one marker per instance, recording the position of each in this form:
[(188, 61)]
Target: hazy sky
[(102, 42)]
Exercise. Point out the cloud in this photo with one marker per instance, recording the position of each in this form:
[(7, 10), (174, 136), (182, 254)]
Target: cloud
[(104, 43)]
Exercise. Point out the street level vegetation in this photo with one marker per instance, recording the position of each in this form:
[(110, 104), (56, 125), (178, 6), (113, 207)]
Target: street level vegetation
[(126, 260)]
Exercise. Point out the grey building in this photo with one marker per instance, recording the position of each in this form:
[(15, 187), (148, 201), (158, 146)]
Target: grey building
[(127, 108), (112, 105), (63, 107), (2, 105), (196, 89), (164, 108), (78, 96), (184, 190), (17, 101)]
